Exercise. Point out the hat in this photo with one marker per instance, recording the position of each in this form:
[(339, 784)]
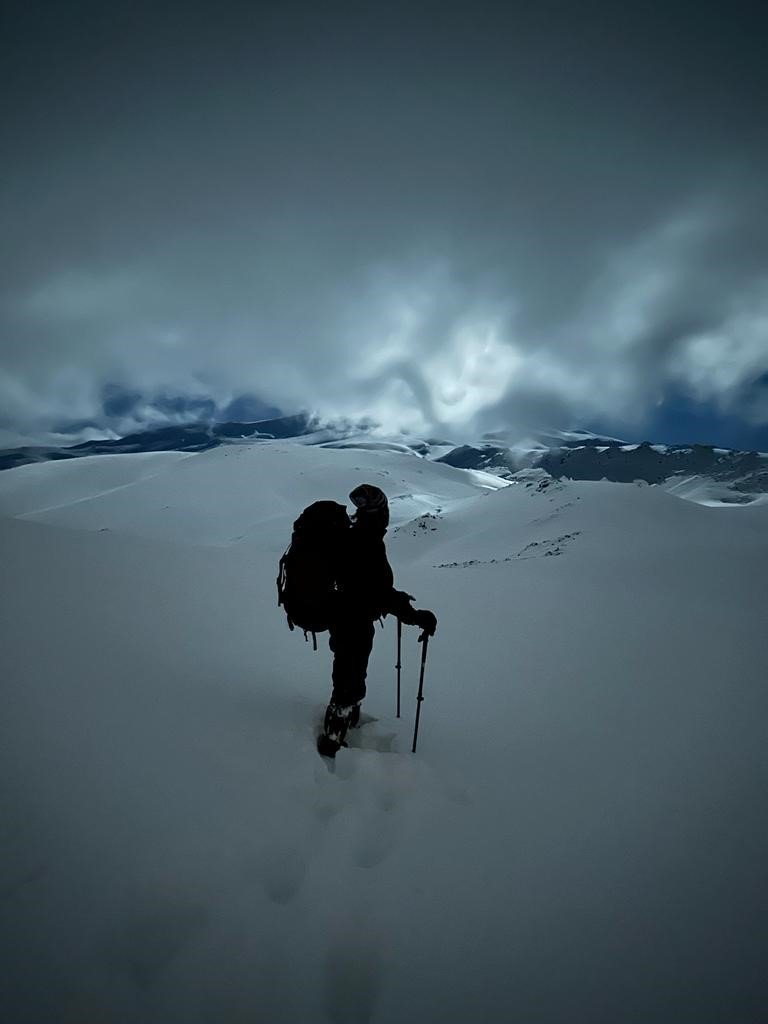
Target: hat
[(371, 504), (368, 498)]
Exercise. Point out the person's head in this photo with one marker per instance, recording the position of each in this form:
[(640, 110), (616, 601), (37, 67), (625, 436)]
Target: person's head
[(372, 508)]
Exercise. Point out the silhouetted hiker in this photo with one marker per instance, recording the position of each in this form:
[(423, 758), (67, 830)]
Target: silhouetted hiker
[(336, 576)]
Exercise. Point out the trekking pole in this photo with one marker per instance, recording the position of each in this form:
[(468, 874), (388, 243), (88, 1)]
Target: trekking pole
[(398, 666), (420, 697)]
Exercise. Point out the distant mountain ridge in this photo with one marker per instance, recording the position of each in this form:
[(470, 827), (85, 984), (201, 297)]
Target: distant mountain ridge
[(742, 476), (701, 472), (187, 437)]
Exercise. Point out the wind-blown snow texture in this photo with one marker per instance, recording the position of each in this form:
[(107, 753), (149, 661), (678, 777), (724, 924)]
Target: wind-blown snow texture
[(580, 838)]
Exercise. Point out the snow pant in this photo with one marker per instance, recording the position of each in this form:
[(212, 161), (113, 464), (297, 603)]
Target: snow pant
[(351, 642)]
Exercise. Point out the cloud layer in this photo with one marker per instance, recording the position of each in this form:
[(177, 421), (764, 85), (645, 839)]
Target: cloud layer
[(441, 219)]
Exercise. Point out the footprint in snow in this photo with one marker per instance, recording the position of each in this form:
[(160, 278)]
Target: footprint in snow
[(154, 939), (373, 787), (387, 788), (375, 843), (326, 811), (282, 873), (353, 969), (364, 739)]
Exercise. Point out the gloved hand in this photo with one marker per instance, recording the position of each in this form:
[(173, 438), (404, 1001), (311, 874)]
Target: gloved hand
[(401, 606), (426, 621)]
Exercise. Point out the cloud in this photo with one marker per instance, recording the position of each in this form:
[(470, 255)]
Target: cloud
[(500, 219), (421, 344), (721, 363)]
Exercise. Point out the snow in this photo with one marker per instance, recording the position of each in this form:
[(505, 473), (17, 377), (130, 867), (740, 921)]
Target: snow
[(715, 493), (366, 445), (580, 837), (437, 451), (221, 496), (40, 486)]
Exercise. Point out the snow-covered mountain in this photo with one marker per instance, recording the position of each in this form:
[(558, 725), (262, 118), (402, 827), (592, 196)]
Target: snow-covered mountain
[(701, 473), (580, 837), (186, 437), (698, 472)]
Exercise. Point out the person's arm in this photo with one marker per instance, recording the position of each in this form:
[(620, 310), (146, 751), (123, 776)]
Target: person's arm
[(400, 606)]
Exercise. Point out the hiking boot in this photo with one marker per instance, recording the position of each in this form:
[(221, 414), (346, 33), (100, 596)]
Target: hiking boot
[(354, 716), (339, 718), (326, 746)]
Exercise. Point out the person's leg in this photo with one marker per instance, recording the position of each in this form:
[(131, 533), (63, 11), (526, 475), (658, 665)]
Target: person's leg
[(351, 642)]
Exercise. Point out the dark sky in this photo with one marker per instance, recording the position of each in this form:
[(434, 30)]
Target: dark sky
[(448, 215)]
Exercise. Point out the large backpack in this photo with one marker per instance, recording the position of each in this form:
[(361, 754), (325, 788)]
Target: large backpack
[(306, 581)]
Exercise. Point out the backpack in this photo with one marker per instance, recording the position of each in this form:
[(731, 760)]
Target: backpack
[(306, 581)]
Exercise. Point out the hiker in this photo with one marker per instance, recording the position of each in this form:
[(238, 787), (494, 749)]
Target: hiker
[(335, 575), (364, 593)]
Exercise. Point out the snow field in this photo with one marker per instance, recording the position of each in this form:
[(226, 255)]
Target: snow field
[(579, 837)]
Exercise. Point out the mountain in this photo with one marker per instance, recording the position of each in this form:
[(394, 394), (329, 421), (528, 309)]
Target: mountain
[(700, 473), (187, 437), (580, 836)]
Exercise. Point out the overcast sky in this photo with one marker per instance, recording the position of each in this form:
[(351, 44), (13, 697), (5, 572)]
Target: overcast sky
[(445, 216)]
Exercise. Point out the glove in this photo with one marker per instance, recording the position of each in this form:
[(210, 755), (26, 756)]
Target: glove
[(401, 606), (426, 621)]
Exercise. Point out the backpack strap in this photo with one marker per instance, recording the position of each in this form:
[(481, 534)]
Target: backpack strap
[(281, 588), (306, 635)]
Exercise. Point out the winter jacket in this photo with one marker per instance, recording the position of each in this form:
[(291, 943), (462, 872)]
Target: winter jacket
[(365, 581)]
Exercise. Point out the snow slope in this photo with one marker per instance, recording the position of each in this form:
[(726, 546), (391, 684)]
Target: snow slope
[(223, 495), (580, 837)]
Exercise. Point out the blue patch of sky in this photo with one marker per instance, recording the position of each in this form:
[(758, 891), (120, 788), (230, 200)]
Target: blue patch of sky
[(681, 420)]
